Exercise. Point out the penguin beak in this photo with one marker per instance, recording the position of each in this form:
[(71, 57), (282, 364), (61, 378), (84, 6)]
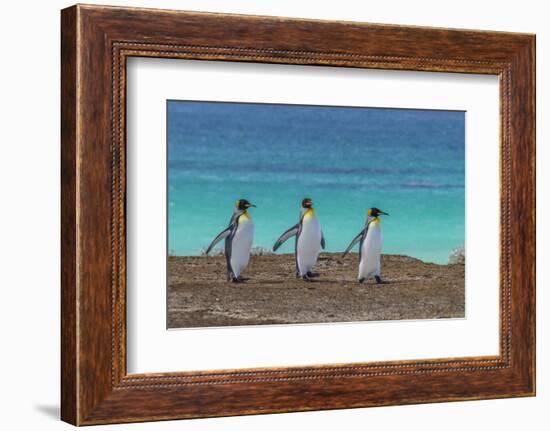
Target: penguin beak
[(383, 213), (251, 205)]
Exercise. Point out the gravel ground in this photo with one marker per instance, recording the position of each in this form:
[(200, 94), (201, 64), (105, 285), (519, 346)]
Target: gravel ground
[(199, 296)]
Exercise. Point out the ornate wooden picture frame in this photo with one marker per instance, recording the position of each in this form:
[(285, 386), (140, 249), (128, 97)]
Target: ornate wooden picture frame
[(96, 41)]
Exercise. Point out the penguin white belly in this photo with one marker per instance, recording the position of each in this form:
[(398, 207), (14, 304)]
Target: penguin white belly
[(309, 245), (370, 252), (241, 245)]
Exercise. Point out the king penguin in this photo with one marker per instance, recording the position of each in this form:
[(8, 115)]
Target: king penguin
[(309, 240), (370, 246), (238, 240)]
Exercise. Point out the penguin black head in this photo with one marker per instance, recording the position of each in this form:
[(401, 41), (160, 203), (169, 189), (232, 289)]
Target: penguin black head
[(243, 205), (307, 203), (375, 212)]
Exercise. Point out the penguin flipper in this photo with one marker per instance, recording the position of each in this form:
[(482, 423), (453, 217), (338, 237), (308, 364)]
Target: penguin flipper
[(355, 241), (222, 235), (322, 240), (285, 236)]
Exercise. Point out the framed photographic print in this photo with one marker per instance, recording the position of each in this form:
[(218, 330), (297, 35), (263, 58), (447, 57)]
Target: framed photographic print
[(266, 214)]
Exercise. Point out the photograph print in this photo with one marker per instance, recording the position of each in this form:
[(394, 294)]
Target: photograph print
[(293, 214)]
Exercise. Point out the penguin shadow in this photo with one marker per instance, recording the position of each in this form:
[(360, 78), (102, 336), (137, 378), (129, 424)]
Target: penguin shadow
[(384, 282), (312, 278), (243, 281), (352, 283), (316, 280)]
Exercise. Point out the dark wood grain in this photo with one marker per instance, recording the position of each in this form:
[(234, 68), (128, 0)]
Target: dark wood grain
[(96, 41), (69, 397)]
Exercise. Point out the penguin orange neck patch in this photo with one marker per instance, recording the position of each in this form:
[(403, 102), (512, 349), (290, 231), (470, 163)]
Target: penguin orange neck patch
[(309, 213)]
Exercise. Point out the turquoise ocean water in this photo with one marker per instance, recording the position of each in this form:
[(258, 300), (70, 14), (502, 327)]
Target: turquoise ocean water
[(409, 163)]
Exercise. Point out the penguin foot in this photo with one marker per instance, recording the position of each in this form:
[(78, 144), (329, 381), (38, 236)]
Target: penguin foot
[(312, 274), (234, 279), (361, 280), (379, 280), (306, 277)]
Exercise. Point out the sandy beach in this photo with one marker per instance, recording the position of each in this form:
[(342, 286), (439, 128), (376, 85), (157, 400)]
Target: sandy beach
[(199, 296)]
